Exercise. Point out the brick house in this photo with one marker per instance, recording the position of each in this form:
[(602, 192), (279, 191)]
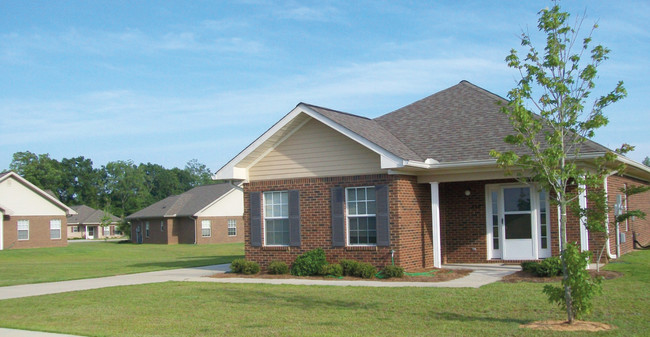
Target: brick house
[(203, 215), (417, 185), (29, 216), (87, 224)]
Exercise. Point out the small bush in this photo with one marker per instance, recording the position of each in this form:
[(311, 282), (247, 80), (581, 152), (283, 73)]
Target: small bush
[(241, 266), (349, 267), (237, 265), (332, 270), (310, 263), (392, 271), (365, 270), (250, 268), (278, 268), (551, 266)]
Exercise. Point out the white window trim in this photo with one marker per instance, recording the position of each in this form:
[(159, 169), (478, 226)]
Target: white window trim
[(146, 229), (53, 221), (18, 229), (106, 229), (232, 222), (203, 222), (367, 215), (264, 217)]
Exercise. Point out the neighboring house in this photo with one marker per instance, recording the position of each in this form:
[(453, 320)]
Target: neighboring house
[(30, 217), (87, 224), (204, 214), (417, 184)]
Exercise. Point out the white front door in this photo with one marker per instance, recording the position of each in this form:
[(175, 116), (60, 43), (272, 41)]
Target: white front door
[(517, 222), (90, 233)]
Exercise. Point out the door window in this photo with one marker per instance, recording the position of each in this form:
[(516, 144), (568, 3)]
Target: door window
[(517, 213)]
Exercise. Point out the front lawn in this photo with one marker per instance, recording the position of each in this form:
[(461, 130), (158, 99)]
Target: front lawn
[(95, 259), (208, 309)]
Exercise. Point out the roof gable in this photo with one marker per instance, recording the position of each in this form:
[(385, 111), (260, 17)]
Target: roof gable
[(88, 215), (35, 191)]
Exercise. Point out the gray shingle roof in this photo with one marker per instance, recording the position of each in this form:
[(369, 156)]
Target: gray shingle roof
[(185, 204), (461, 123), (88, 216)]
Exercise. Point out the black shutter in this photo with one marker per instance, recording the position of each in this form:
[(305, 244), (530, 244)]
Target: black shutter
[(256, 219), (294, 218), (383, 221), (338, 220)]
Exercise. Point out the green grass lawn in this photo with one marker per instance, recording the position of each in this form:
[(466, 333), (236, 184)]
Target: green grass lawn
[(210, 309), (94, 259)]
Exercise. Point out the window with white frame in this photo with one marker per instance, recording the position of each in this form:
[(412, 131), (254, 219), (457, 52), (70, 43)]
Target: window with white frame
[(206, 228), (232, 227), (162, 226), (361, 215), (107, 230), (276, 218), (23, 229), (55, 229), (146, 228), (75, 229)]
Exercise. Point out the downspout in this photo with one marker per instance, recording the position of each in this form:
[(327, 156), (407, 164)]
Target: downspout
[(609, 254), (194, 219)]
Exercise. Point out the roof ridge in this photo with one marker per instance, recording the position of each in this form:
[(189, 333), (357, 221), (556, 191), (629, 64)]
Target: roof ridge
[(333, 110)]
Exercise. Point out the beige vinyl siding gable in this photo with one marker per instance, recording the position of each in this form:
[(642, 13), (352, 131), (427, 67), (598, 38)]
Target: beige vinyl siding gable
[(316, 150)]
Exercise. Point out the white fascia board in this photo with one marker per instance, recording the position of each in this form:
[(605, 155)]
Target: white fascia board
[(55, 201), (230, 171), (388, 160)]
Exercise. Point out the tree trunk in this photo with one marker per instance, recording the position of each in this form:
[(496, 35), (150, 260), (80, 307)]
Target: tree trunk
[(565, 275)]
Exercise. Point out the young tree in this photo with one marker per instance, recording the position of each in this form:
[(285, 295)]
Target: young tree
[(556, 84), (646, 161)]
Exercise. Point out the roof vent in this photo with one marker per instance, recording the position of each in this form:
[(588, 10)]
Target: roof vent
[(431, 161)]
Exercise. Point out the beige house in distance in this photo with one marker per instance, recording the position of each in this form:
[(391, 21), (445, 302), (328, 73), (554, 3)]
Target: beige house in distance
[(87, 224), (30, 217)]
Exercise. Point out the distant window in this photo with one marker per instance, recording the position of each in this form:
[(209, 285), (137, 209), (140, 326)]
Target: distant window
[(146, 228), (23, 229), (55, 229), (75, 229), (162, 226), (206, 228), (107, 230), (232, 227)]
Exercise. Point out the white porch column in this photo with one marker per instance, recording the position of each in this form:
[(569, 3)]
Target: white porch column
[(435, 224), (584, 234), (2, 229)]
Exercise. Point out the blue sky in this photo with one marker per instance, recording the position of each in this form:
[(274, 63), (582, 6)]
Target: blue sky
[(169, 81)]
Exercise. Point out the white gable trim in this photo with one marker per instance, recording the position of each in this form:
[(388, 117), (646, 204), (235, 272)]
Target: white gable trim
[(55, 201), (198, 213), (230, 171)]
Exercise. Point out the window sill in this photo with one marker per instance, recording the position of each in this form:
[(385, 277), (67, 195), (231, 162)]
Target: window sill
[(276, 248), (361, 248)]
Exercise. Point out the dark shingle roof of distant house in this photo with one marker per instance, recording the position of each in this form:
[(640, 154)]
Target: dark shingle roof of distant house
[(183, 205), (88, 216)]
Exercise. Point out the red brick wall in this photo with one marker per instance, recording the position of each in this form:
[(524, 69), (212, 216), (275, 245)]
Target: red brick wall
[(219, 230), (639, 226), (410, 221), (39, 232)]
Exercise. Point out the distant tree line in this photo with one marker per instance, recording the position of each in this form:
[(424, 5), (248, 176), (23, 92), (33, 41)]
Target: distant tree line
[(120, 187)]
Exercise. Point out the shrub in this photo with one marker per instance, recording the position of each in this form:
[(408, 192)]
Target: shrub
[(392, 271), (278, 268), (237, 265), (551, 266), (250, 268), (241, 266), (349, 267), (332, 270), (310, 263), (365, 270)]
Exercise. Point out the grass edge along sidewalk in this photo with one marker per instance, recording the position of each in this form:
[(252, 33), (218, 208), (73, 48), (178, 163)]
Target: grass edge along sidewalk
[(99, 259), (209, 309)]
